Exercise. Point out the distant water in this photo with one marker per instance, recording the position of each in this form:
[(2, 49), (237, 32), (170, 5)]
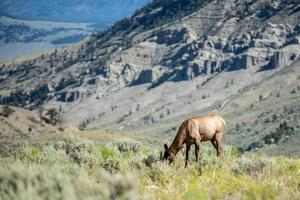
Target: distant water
[(15, 50)]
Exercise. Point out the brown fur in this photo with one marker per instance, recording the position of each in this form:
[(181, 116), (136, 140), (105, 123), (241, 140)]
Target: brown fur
[(194, 131)]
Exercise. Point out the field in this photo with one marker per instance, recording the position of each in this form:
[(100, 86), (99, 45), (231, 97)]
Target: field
[(65, 166)]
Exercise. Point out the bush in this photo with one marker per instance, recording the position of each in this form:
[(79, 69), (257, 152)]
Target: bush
[(75, 169), (150, 160), (283, 131), (11, 143), (160, 173), (72, 143), (6, 111), (34, 183), (252, 166), (106, 152), (127, 145), (122, 187), (80, 150), (54, 116), (111, 165)]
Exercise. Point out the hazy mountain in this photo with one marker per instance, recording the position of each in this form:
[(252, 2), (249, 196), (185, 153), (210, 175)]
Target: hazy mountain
[(28, 26), (171, 60), (96, 11), (24, 37)]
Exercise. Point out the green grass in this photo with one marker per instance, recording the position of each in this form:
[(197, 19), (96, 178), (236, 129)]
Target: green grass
[(73, 167)]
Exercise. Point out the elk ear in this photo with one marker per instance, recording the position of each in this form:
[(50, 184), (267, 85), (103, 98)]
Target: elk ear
[(166, 146)]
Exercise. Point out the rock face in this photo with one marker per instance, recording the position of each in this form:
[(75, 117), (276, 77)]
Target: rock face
[(281, 58), (159, 47), (146, 76), (68, 96)]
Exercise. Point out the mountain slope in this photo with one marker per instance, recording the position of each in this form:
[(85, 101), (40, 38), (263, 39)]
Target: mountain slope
[(148, 75)]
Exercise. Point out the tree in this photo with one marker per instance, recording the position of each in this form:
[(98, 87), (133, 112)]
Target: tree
[(54, 116), (6, 111)]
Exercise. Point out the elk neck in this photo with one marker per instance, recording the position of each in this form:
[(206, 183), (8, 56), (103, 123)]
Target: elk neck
[(179, 140)]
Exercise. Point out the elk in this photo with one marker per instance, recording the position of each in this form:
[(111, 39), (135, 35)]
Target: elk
[(194, 131)]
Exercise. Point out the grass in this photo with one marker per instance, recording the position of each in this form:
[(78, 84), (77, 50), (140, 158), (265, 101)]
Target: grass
[(74, 167)]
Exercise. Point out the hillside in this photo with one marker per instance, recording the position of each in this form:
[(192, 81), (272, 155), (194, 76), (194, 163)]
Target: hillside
[(171, 60), (77, 168), (18, 126)]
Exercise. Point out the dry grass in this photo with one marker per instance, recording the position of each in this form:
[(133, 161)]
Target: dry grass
[(73, 167)]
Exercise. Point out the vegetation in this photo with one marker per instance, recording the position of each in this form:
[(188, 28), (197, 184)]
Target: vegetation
[(21, 98), (76, 168), (6, 111), (166, 11), (154, 14), (83, 124), (54, 116), (282, 132)]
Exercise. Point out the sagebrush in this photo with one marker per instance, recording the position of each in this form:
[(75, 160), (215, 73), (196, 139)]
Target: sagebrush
[(76, 168)]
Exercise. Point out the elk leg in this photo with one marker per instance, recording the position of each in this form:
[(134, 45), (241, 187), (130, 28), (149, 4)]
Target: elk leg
[(197, 148), (218, 144), (187, 154), (213, 141)]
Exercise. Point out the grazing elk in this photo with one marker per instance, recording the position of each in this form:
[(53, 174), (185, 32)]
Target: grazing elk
[(193, 131)]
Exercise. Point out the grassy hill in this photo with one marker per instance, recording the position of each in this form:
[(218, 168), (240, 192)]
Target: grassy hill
[(76, 168), (48, 163), (19, 126), (251, 114)]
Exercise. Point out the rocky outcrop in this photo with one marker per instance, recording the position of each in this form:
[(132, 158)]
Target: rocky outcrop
[(70, 96), (282, 59), (146, 76), (171, 37)]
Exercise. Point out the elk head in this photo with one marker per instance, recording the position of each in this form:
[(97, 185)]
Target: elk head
[(168, 155)]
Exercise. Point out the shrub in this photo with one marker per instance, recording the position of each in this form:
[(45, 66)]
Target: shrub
[(122, 187), (11, 143), (252, 166), (160, 173), (6, 111), (34, 183), (75, 143), (127, 145), (74, 169), (54, 116), (84, 124), (111, 165), (150, 160), (106, 152), (31, 155), (80, 150), (84, 158), (64, 182)]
